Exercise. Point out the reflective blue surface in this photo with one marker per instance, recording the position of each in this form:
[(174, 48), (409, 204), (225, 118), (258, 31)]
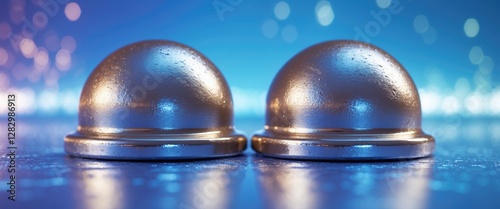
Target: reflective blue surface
[(464, 173)]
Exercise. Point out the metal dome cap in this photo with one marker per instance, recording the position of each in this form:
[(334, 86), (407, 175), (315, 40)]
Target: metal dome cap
[(343, 100), (155, 100)]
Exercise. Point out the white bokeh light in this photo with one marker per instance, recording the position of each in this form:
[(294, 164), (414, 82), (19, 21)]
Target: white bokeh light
[(63, 60), (42, 60), (248, 101), (48, 101), (471, 27), (3, 94), (27, 95), (474, 103), (462, 87), (270, 28), (72, 11), (324, 13), (70, 101), (383, 3), (421, 24), (450, 105), (486, 65), (28, 48), (476, 55), (495, 101), (430, 101), (282, 10)]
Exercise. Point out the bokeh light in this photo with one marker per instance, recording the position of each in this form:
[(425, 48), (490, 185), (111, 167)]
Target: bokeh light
[(430, 101), (42, 60), (324, 13), (63, 60), (486, 66), (51, 77), (40, 19), (4, 81), (48, 59), (476, 55), (270, 28), (474, 104), (69, 101), (421, 24), (48, 101), (495, 101), (282, 10), (383, 3), (471, 27), (450, 105), (17, 11), (27, 95), (462, 87), (68, 43), (4, 56), (248, 102), (28, 47), (72, 11)]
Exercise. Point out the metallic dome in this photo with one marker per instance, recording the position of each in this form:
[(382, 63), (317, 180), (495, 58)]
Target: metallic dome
[(155, 100), (343, 100)]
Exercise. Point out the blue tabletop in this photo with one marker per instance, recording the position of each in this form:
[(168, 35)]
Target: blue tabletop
[(463, 173)]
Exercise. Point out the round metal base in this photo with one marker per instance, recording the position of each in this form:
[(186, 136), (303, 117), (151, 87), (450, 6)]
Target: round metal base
[(157, 148), (345, 147)]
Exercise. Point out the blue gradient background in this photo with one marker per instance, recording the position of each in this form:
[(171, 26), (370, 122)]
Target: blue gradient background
[(248, 59)]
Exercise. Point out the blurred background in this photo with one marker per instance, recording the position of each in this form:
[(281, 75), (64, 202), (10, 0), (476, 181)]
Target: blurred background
[(451, 48)]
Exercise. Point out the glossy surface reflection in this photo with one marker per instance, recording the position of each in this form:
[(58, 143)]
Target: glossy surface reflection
[(169, 185), (463, 173), (343, 100), (155, 100), (288, 184)]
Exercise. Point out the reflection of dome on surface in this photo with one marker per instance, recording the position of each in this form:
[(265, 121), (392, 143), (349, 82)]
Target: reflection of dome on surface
[(305, 184), (155, 100), (343, 100)]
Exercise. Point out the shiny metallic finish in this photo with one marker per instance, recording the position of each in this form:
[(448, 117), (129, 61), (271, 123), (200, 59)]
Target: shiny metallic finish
[(155, 100), (343, 100)]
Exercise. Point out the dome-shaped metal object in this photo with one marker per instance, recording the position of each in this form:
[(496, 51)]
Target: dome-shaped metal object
[(155, 100), (343, 100)]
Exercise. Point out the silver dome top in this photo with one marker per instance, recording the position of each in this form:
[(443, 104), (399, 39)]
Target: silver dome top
[(155, 100), (343, 85), (343, 100), (155, 85)]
